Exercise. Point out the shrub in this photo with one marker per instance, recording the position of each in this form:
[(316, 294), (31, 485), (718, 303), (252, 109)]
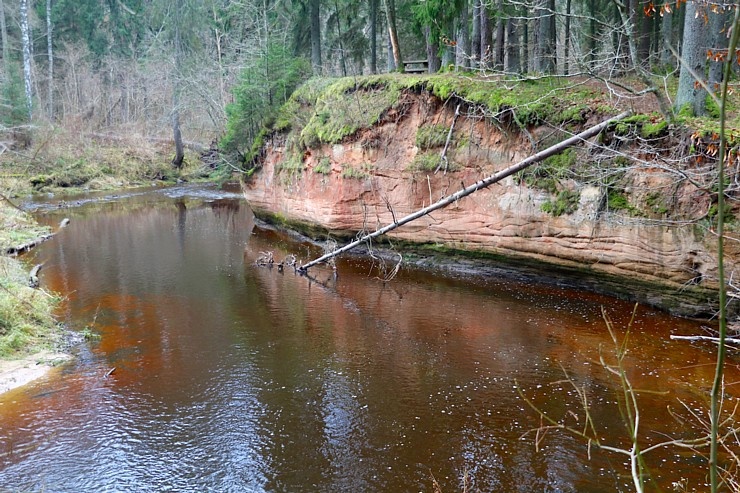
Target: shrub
[(566, 202), (430, 136), (324, 166)]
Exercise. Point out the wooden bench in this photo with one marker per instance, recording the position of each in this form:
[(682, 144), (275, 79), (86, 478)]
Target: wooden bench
[(415, 66)]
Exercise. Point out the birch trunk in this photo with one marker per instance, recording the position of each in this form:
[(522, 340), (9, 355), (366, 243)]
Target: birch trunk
[(26, 37), (50, 55)]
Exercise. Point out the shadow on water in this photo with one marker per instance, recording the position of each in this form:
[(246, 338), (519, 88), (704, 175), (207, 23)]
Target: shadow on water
[(234, 377)]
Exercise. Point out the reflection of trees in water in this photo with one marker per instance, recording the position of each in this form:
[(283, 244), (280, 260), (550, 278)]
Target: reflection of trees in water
[(182, 213), (227, 210)]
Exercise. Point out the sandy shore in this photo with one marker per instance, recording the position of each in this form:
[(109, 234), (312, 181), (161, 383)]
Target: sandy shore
[(18, 372)]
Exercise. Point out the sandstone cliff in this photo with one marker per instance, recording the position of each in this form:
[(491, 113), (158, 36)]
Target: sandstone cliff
[(624, 216)]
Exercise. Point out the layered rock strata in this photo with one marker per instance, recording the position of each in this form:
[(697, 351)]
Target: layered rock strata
[(368, 181)]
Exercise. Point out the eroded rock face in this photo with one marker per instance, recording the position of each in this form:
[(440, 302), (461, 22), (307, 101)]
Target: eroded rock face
[(674, 259)]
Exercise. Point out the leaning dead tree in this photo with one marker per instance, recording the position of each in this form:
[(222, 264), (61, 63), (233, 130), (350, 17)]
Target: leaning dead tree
[(444, 202)]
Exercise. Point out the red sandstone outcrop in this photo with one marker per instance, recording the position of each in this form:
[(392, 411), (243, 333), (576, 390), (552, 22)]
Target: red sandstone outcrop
[(505, 219)]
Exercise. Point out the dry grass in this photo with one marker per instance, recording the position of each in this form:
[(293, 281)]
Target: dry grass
[(17, 227), (26, 321), (59, 160)]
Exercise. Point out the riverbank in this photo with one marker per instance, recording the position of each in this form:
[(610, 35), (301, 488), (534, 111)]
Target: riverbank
[(19, 372), (601, 212), (30, 336), (56, 161)]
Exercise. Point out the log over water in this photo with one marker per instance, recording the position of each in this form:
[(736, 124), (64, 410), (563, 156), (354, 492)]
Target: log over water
[(535, 158)]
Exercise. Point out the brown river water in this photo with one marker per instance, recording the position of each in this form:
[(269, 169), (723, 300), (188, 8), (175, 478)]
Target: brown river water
[(235, 378)]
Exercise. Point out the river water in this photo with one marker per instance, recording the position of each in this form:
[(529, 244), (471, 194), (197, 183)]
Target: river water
[(233, 377)]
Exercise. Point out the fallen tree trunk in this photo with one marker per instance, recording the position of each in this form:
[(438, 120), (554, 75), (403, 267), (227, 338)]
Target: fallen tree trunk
[(550, 151), (17, 250), (33, 277)]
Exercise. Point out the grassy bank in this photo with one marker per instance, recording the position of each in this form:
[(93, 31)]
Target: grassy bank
[(27, 324), (59, 161)]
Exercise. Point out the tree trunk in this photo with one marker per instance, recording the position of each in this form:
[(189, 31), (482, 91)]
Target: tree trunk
[(462, 58), (475, 36), (645, 25), (448, 52), (50, 54), (500, 34), (545, 47), (373, 36), (390, 12), (512, 64), (26, 36), (314, 15), (176, 133), (486, 50), (591, 33), (4, 39), (694, 60), (622, 35), (719, 23), (339, 37), (525, 43), (666, 34), (389, 49), (566, 48), (432, 48)]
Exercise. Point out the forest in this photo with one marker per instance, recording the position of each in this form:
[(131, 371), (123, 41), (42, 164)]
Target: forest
[(216, 71)]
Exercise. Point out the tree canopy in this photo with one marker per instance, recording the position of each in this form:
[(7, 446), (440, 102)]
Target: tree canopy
[(117, 61)]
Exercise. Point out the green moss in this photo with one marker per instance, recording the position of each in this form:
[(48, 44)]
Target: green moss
[(547, 175), (292, 164), (345, 107), (652, 130), (566, 202), (711, 107), (618, 201), (430, 136), (425, 161), (655, 201), (353, 173), (575, 114), (686, 111), (327, 111), (714, 209), (324, 166)]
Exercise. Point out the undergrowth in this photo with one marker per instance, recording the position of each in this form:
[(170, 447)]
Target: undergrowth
[(566, 202), (59, 160)]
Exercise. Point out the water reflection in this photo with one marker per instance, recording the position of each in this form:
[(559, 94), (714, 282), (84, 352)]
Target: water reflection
[(232, 377)]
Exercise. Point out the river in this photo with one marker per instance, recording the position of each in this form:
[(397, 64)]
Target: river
[(230, 377)]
